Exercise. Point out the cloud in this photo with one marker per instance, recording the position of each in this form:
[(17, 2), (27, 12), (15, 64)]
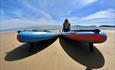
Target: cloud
[(96, 21), (83, 3), (18, 23), (108, 13), (35, 9), (63, 8), (3, 15), (1, 12), (49, 9), (43, 12), (18, 13), (100, 17)]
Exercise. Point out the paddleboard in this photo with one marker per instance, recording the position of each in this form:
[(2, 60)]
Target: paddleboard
[(30, 36), (89, 36)]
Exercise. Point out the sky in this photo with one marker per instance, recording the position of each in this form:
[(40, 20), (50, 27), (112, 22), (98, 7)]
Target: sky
[(15, 13)]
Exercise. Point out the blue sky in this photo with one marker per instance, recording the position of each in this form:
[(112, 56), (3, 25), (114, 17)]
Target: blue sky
[(84, 12)]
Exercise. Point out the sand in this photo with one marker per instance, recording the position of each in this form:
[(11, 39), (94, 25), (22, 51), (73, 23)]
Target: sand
[(56, 54)]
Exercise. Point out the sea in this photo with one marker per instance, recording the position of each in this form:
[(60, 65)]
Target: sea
[(55, 27)]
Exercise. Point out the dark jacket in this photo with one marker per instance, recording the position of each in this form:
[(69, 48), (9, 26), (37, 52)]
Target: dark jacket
[(66, 28)]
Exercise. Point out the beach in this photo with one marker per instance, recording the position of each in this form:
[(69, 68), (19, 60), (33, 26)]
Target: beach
[(56, 54)]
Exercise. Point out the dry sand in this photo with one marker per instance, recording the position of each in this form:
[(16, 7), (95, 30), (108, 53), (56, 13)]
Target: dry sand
[(62, 54)]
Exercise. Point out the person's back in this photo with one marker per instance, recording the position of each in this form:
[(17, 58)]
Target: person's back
[(66, 26)]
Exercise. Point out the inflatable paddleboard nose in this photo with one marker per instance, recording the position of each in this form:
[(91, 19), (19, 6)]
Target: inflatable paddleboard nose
[(18, 37)]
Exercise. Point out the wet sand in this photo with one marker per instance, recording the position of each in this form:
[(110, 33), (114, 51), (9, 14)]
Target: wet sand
[(56, 54)]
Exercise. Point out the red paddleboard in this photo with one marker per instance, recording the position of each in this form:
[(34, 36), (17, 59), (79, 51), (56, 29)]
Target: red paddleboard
[(86, 36)]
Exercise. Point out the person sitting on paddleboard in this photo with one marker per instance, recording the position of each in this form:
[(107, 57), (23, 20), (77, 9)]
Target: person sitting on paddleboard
[(66, 26)]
